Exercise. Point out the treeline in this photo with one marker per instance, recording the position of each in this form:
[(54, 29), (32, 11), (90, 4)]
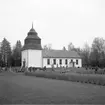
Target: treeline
[(10, 56), (93, 55)]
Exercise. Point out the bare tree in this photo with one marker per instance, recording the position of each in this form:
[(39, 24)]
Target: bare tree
[(70, 47), (64, 48), (47, 47), (98, 51), (98, 44), (86, 54)]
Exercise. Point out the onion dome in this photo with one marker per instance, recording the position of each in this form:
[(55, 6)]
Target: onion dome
[(32, 41)]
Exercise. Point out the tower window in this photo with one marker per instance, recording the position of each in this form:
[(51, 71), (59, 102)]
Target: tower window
[(48, 61), (77, 62), (54, 61), (66, 61), (60, 61)]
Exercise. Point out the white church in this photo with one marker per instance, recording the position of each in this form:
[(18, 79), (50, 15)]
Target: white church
[(34, 56)]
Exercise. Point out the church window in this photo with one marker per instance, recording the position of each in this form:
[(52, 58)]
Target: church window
[(48, 61), (54, 61), (60, 61), (66, 61), (77, 62)]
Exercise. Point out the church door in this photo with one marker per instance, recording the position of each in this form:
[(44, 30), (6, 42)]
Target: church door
[(24, 63), (73, 64)]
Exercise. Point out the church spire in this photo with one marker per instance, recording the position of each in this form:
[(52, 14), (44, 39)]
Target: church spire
[(32, 31), (32, 41), (32, 25)]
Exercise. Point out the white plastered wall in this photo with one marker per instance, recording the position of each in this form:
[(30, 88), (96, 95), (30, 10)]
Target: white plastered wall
[(80, 63), (35, 58), (24, 57)]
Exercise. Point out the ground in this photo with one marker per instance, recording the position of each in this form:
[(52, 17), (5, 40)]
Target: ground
[(18, 89)]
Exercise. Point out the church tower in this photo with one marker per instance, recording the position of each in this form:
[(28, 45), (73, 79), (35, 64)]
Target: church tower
[(32, 50)]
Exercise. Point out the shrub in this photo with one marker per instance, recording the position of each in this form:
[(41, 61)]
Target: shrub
[(83, 78)]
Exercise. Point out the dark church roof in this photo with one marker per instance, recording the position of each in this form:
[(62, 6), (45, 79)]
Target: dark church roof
[(59, 54), (32, 41)]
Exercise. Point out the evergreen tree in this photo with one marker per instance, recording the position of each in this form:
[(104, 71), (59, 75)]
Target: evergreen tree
[(16, 55), (6, 52)]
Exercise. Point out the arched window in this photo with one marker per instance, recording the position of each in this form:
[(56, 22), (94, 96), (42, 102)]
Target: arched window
[(60, 61), (24, 63), (54, 61), (48, 61), (66, 62), (77, 61)]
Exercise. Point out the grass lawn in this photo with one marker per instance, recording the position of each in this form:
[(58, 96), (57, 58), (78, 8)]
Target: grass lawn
[(19, 89)]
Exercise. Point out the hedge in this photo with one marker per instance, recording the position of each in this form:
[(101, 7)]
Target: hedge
[(83, 78)]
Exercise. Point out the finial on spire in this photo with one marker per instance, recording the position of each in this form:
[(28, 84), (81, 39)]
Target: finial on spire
[(32, 25)]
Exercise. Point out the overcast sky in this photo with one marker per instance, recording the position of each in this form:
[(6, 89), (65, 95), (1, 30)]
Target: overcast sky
[(57, 22)]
